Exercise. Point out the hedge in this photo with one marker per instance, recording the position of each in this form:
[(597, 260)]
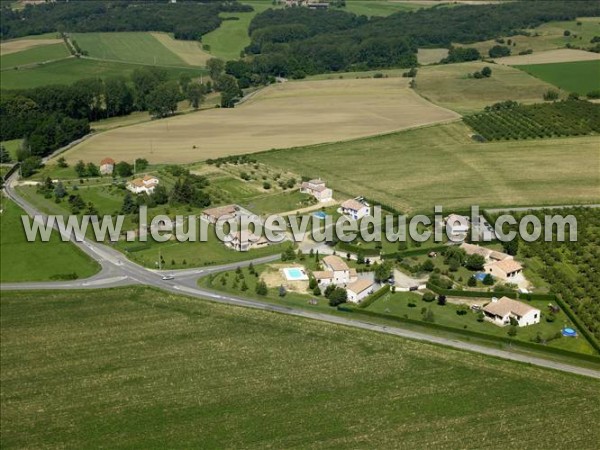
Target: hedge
[(550, 297), (347, 247), (374, 296), (414, 252), (476, 334), (584, 331)]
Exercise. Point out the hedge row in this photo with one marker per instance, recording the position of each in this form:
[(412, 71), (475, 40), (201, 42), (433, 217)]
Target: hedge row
[(549, 297), (351, 248), (374, 296), (476, 334), (581, 327), (414, 252)]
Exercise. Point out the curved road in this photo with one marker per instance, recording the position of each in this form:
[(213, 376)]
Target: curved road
[(117, 270)]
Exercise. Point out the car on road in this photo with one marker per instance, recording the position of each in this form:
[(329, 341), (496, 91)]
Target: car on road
[(167, 277)]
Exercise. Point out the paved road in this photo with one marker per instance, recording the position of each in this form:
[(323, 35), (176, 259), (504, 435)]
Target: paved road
[(117, 270)]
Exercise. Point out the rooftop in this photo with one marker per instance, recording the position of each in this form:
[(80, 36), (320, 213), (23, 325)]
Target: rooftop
[(335, 262), (506, 306), (360, 286)]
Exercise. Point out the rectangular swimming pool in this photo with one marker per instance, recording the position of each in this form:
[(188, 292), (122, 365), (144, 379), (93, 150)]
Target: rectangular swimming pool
[(295, 274)]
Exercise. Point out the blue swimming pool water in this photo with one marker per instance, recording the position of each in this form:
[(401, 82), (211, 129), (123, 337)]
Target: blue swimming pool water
[(320, 215), (480, 276), (295, 273), (569, 332)]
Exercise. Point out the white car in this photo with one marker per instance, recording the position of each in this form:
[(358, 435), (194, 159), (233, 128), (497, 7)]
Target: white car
[(168, 277)]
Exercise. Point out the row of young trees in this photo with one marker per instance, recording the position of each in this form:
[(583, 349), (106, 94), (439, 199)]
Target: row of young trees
[(510, 120)]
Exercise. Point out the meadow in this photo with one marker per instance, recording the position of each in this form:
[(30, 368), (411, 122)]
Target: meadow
[(281, 115), (378, 8), (416, 169), (70, 70), (19, 45), (549, 56), (449, 86), (227, 41), (34, 55), (132, 47), (141, 368), (36, 261), (548, 36), (580, 77)]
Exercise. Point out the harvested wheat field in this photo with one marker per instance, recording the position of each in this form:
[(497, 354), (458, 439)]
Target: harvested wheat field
[(6, 48), (280, 116), (550, 56)]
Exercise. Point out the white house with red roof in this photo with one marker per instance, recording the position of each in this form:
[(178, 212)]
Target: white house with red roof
[(107, 166), (317, 189)]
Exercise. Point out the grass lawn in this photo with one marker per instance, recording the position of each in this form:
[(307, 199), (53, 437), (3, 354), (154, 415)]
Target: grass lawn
[(70, 70), (36, 261), (181, 255), (448, 85), (277, 202), (227, 41), (34, 55), (416, 169), (101, 366), (133, 47), (397, 304), (12, 147), (580, 76)]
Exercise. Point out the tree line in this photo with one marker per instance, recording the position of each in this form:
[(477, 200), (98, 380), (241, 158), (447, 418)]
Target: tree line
[(50, 117), (295, 42), (187, 20)]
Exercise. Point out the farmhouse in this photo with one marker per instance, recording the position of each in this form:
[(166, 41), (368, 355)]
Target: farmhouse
[(359, 290), (356, 208), (500, 312), (335, 271), (107, 165), (317, 189), (506, 269), (212, 215), (242, 241), (146, 185)]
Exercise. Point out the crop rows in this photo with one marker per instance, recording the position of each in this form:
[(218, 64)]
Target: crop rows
[(508, 121)]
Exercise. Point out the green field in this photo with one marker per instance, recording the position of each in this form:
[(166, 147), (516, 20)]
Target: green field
[(227, 41), (448, 85), (416, 169), (134, 367), (36, 261), (377, 8), (70, 70), (34, 55), (12, 147), (132, 47), (580, 77)]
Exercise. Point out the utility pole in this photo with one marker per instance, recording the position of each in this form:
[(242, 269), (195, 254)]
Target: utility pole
[(159, 260)]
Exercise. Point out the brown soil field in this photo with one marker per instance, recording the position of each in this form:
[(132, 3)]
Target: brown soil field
[(550, 56), (6, 48), (280, 116)]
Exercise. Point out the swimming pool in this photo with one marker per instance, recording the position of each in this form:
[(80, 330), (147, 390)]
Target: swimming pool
[(569, 332), (295, 274), (320, 215)]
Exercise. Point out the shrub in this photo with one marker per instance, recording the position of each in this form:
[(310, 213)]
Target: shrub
[(428, 297)]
